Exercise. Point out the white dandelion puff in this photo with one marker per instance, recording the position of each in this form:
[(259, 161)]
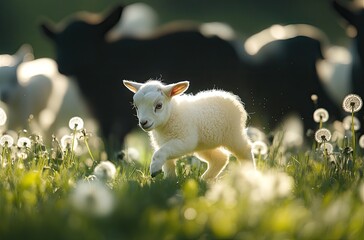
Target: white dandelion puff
[(314, 98), (327, 147), (76, 123), (255, 134), (348, 120), (3, 117), (66, 142), (352, 103), (105, 170), (259, 186), (190, 213), (24, 142), (259, 148), (323, 135), (361, 141), (92, 198), (132, 155), (22, 155), (6, 140), (321, 115)]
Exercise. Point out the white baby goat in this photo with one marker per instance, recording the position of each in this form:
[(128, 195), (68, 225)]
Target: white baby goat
[(203, 124)]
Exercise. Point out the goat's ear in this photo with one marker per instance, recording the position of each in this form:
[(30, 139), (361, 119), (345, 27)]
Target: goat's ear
[(347, 12), (48, 31), (132, 86), (176, 88), (111, 20), (24, 53)]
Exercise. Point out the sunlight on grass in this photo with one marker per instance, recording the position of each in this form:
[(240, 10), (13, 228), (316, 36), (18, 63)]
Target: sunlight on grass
[(69, 191)]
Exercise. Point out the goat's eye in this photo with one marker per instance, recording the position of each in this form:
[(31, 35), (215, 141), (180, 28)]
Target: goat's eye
[(158, 106)]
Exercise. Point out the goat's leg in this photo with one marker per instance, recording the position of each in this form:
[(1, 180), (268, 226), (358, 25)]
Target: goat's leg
[(169, 168), (172, 149), (216, 159), (240, 147)]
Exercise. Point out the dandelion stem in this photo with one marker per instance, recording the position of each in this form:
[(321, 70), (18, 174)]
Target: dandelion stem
[(353, 134), (89, 150), (325, 152), (73, 143)]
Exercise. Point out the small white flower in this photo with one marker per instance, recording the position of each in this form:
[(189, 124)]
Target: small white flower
[(6, 140), (76, 123), (24, 142), (105, 170), (321, 115), (259, 148), (352, 103), (322, 135), (66, 141), (3, 117), (92, 198), (347, 123)]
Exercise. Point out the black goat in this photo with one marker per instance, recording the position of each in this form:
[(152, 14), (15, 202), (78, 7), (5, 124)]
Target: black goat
[(100, 66), (282, 74), (283, 82)]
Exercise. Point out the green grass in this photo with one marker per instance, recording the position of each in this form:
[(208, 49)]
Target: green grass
[(303, 197)]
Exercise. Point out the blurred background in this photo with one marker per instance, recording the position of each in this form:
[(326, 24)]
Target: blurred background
[(20, 19)]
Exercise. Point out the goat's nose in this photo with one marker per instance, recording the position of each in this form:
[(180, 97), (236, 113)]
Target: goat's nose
[(143, 122)]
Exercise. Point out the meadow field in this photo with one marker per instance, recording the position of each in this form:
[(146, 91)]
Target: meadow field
[(69, 189)]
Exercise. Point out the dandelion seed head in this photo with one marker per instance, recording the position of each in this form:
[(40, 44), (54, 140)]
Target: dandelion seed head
[(352, 103), (130, 155), (347, 150), (190, 213), (323, 135), (76, 123), (314, 98), (259, 147), (255, 134), (24, 142), (105, 170), (92, 198), (327, 147), (223, 191), (347, 123), (6, 140), (22, 155), (3, 117), (259, 186), (361, 141), (66, 141), (321, 115)]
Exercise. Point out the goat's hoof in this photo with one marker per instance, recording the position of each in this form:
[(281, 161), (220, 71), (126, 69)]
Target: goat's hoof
[(154, 174)]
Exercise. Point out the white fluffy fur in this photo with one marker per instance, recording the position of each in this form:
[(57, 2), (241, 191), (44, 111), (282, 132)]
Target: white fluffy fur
[(205, 124)]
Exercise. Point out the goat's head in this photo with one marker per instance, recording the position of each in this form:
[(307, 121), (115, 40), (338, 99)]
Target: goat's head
[(78, 43), (152, 101)]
